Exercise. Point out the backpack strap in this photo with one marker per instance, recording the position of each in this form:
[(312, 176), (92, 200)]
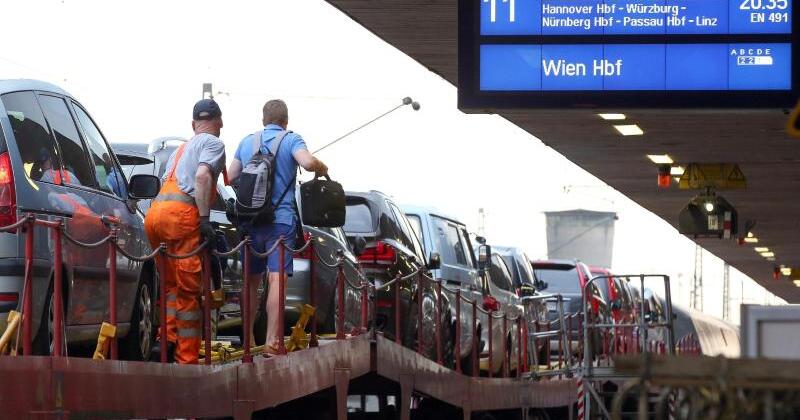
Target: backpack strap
[(257, 141), (276, 143)]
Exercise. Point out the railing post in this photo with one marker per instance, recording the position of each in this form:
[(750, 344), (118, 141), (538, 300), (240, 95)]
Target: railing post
[(58, 302), (525, 339), (420, 286), (281, 296), (27, 303), (364, 307), (313, 341), (549, 345), (505, 367), (340, 299), (458, 331), (207, 306), (112, 288), (397, 336), (439, 359), (491, 339), (161, 260), (520, 367), (475, 339), (247, 322)]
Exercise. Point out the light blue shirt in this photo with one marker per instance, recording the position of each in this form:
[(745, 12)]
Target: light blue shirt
[(286, 168)]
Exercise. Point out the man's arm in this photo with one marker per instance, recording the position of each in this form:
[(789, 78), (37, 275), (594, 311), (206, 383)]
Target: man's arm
[(234, 170), (310, 162), (204, 181)]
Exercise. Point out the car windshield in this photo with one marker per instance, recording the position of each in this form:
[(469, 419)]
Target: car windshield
[(560, 278)]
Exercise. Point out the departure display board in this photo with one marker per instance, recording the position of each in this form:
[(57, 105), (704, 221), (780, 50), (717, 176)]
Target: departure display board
[(695, 53)]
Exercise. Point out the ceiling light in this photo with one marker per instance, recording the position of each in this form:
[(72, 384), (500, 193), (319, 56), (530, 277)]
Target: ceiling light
[(749, 234), (786, 271), (677, 170), (629, 130), (770, 258), (767, 254), (761, 249), (751, 240), (797, 283), (709, 206), (661, 160), (677, 179), (614, 117)]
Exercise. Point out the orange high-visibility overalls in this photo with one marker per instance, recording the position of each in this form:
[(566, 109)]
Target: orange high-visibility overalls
[(174, 220)]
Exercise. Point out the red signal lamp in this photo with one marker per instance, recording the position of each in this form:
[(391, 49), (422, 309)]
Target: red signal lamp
[(664, 176)]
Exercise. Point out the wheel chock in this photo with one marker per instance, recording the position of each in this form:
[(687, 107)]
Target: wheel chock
[(299, 339), (107, 332), (13, 321)]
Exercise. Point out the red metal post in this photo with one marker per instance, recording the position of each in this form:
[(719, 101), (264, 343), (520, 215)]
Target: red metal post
[(312, 290), (475, 339), (549, 346), (281, 297), (58, 295), (458, 330), (27, 305), (207, 306), (340, 307), (161, 259), (112, 288), (491, 339), (525, 357), (420, 286), (439, 359), (247, 323), (364, 307), (519, 347), (397, 336), (569, 334), (506, 362)]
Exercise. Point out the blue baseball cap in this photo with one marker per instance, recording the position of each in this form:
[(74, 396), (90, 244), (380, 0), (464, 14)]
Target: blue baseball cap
[(206, 109)]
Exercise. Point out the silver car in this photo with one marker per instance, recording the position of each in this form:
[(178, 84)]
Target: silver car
[(55, 163)]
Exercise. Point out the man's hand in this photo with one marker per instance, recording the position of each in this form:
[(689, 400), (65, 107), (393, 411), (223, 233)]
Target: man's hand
[(321, 169), (207, 233)]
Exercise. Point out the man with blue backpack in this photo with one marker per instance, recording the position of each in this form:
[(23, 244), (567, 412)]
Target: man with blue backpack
[(263, 172)]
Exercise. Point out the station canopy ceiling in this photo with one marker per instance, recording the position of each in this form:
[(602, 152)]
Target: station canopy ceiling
[(427, 31)]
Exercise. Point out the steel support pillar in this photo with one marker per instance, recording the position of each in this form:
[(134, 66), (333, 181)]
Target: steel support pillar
[(341, 377), (406, 391)]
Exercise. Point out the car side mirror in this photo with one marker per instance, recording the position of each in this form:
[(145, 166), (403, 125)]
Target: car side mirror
[(541, 285), (484, 254), (143, 187), (434, 261), (359, 243)]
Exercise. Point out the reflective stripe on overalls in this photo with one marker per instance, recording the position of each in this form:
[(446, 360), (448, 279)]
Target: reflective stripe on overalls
[(174, 220)]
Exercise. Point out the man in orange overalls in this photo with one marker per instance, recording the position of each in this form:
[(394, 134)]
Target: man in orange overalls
[(179, 218)]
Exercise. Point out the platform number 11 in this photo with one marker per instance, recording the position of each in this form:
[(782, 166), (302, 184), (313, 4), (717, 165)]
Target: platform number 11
[(493, 12)]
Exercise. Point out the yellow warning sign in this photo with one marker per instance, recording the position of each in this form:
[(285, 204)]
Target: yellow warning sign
[(712, 175), (793, 125)]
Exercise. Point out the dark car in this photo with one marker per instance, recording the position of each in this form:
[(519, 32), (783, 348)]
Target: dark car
[(392, 248), (328, 242), (55, 162)]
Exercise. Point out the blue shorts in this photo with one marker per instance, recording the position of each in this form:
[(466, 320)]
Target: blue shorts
[(262, 238)]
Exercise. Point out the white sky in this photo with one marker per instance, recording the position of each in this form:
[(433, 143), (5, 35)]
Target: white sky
[(139, 67)]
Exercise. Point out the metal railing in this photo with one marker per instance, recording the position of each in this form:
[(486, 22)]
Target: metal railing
[(362, 285)]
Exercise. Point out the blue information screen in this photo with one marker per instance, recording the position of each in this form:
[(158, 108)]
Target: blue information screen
[(635, 17), (608, 67)]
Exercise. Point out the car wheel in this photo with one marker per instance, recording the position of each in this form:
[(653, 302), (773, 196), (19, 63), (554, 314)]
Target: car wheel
[(138, 344)]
